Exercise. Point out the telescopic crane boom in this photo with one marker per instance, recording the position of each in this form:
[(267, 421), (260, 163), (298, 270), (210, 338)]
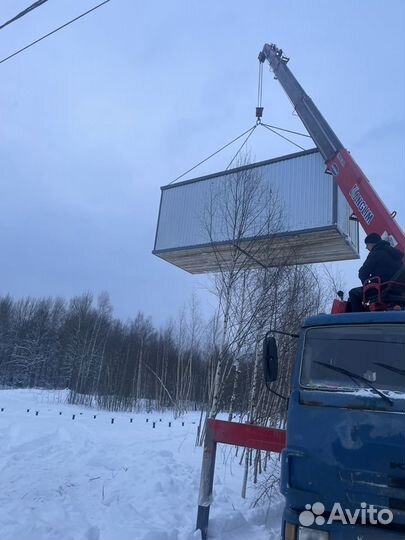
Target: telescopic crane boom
[(368, 208)]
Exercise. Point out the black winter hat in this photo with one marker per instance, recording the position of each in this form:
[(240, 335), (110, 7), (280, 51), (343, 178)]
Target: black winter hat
[(372, 238)]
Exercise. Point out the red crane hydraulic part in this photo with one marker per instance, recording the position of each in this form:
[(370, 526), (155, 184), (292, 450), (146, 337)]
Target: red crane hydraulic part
[(362, 198)]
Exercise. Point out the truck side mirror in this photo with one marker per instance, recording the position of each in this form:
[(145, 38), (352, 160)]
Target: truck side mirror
[(270, 359)]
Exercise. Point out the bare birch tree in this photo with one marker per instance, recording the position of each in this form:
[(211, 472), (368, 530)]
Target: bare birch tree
[(242, 211)]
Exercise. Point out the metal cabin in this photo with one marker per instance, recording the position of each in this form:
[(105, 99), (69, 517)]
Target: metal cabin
[(285, 210)]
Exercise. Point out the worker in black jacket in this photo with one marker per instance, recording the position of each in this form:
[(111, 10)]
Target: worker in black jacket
[(383, 261)]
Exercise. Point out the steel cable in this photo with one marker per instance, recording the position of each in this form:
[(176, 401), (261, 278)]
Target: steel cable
[(213, 154)]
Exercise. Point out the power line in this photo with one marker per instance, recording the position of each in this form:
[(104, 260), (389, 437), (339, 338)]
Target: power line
[(53, 31), (24, 12)]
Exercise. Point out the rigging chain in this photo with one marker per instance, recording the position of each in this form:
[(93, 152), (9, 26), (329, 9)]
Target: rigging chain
[(250, 130)]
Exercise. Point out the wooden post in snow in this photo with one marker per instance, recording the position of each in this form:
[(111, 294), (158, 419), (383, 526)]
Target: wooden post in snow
[(206, 481)]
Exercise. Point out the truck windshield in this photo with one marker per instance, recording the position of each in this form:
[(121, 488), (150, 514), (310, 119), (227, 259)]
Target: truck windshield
[(374, 353)]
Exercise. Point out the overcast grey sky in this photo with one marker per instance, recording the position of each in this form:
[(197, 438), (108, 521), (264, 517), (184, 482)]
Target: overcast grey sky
[(97, 117)]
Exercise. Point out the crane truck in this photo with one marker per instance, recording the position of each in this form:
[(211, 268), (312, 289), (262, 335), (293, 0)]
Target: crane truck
[(343, 455), (343, 467)]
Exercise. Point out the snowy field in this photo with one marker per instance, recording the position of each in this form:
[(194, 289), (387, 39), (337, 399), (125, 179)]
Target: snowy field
[(89, 479)]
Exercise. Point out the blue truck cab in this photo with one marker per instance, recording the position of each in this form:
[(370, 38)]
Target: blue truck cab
[(343, 468)]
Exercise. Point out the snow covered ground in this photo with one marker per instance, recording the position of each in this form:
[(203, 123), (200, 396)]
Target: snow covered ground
[(89, 479)]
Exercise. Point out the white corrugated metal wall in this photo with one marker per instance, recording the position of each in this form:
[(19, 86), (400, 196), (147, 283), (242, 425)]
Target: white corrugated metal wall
[(303, 190)]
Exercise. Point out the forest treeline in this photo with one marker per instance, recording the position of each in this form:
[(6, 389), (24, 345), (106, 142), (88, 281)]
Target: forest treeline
[(211, 365), (105, 362), (79, 345)]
